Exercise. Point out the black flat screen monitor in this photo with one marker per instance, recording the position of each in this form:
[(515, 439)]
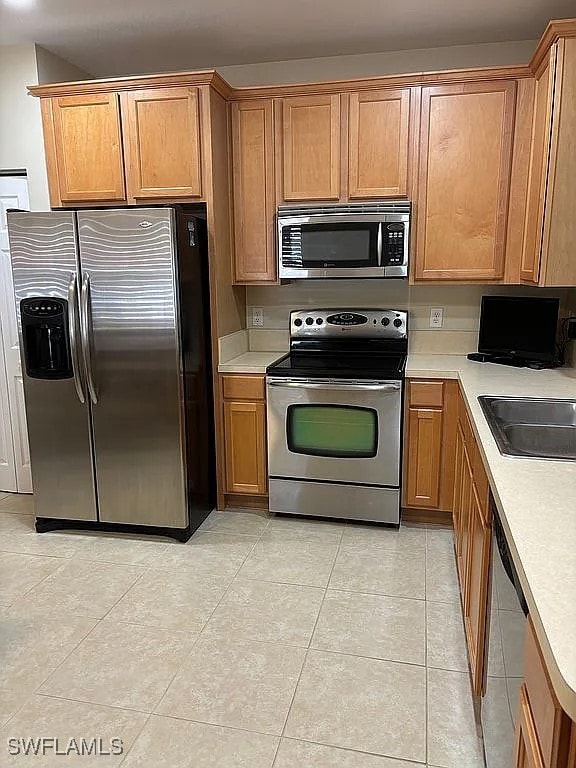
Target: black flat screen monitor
[(519, 326)]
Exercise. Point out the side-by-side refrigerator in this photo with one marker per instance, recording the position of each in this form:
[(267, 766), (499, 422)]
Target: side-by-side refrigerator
[(113, 309)]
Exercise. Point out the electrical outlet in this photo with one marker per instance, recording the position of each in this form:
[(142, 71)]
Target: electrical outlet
[(436, 317), (257, 317)]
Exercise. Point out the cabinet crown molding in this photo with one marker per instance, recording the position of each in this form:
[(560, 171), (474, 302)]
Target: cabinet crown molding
[(203, 77), (211, 77)]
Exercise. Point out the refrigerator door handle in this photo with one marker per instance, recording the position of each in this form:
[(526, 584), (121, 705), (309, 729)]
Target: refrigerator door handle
[(86, 334), (72, 328)]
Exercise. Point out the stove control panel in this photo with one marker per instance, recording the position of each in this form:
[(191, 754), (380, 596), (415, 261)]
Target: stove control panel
[(333, 323)]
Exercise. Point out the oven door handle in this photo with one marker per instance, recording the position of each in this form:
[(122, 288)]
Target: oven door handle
[(372, 386)]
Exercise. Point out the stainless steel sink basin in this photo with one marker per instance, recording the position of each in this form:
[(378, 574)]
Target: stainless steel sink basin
[(541, 428)]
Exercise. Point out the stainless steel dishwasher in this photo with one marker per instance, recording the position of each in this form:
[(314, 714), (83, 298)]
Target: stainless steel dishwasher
[(504, 653)]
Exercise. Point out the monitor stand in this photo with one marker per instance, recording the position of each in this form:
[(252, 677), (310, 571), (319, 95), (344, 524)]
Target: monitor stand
[(516, 362)]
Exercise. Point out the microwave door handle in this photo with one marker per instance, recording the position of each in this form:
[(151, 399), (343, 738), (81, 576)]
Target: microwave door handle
[(368, 387), (379, 244)]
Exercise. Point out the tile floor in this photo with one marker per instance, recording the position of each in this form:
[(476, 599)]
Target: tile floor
[(261, 643)]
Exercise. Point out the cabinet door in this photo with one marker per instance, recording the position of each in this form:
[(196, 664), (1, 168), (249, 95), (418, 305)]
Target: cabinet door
[(378, 143), (527, 748), (464, 180), (245, 447), (458, 478), (310, 147), (464, 541), (538, 171), (162, 143), (254, 203), (85, 153), (476, 603), (424, 454)]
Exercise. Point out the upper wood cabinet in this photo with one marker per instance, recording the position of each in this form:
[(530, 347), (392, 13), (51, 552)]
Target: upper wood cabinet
[(161, 128), (464, 180), (254, 197), (378, 125), (310, 137), (131, 146), (84, 148), (550, 225)]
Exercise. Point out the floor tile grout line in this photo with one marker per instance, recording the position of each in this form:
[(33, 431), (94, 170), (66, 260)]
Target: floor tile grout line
[(140, 732), (184, 662), (310, 641)]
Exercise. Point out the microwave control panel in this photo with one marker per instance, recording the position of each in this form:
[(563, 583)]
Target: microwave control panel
[(393, 245)]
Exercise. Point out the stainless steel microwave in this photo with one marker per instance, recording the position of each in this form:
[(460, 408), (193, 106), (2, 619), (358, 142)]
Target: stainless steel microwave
[(348, 240)]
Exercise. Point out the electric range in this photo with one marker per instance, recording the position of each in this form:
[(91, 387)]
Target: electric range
[(335, 415)]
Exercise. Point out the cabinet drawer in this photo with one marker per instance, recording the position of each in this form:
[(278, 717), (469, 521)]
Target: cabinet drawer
[(549, 719), (427, 393), (243, 387)]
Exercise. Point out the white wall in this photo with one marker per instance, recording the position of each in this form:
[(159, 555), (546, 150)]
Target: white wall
[(53, 69), (21, 144), (376, 64), (21, 140)]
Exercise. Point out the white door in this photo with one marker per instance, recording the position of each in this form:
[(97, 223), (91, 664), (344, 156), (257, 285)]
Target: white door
[(14, 453)]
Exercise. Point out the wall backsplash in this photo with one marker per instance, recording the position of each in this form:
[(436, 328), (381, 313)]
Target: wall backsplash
[(461, 304)]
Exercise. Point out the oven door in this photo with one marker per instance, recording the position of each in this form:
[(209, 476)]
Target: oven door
[(345, 431)]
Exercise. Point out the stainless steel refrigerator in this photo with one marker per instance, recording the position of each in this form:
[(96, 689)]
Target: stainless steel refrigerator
[(113, 308)]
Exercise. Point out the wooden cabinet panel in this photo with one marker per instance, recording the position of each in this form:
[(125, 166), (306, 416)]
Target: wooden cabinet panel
[(378, 143), (162, 142), (464, 180), (310, 132), (463, 542), (476, 598), (527, 748), (424, 452), (245, 447), (254, 198), (550, 722), (83, 147), (240, 387), (538, 171), (558, 265), (427, 393)]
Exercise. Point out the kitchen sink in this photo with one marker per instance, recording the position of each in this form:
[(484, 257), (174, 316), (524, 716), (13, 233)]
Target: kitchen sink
[(540, 428)]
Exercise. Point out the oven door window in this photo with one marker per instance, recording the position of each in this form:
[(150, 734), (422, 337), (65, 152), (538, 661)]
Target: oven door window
[(350, 245), (332, 431)]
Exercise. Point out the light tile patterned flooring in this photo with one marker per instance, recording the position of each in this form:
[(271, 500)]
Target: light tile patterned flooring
[(262, 642)]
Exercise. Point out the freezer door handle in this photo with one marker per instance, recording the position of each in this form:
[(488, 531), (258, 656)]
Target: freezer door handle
[(72, 328), (86, 333)]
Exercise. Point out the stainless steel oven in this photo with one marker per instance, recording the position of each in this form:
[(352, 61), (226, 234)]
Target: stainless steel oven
[(348, 240), (334, 447)]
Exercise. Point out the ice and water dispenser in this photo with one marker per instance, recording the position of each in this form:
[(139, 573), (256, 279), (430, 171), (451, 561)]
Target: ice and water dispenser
[(45, 336)]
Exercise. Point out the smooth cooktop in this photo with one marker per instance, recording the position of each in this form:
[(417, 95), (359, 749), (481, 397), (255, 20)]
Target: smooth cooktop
[(350, 365)]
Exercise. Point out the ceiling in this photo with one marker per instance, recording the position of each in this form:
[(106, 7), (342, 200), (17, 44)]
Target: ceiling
[(119, 37)]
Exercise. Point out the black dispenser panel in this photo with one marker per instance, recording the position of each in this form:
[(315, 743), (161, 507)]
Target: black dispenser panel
[(46, 340)]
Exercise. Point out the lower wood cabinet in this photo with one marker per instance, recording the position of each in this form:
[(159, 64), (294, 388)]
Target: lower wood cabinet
[(528, 753), (429, 444), (473, 538), (545, 735), (245, 435)]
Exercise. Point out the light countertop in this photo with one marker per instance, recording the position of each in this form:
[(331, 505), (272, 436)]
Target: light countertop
[(536, 499), (250, 362)]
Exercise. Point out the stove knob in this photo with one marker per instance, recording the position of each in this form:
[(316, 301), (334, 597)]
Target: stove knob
[(397, 322), (298, 322), (309, 320), (319, 321), (385, 321)]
